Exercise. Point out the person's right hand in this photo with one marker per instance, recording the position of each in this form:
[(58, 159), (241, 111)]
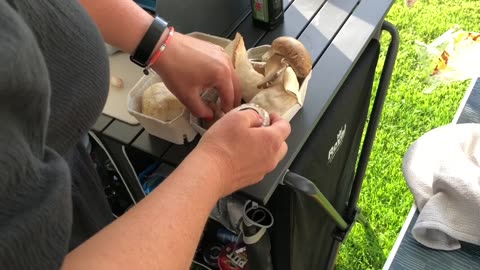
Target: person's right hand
[(189, 66), (243, 150)]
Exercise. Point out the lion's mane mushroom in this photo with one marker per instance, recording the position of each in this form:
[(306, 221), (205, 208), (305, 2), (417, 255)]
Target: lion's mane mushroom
[(158, 102), (116, 82)]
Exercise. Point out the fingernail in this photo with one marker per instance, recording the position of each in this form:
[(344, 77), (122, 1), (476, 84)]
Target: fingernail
[(209, 118)]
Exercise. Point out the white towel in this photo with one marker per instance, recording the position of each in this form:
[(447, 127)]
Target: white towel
[(442, 169)]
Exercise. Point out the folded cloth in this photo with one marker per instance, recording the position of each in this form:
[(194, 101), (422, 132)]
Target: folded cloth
[(442, 170)]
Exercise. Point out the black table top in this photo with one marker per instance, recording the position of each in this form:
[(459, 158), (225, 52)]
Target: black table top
[(407, 252), (334, 31)]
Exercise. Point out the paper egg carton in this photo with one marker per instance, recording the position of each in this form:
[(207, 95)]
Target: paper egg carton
[(176, 131)]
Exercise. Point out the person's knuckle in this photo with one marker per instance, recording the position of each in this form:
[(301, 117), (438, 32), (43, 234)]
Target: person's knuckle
[(218, 47), (271, 164), (288, 127), (220, 72), (235, 116), (285, 147), (276, 145), (265, 139), (273, 140)]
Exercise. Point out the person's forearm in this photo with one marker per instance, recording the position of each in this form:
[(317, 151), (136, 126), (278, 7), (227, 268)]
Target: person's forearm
[(121, 22), (163, 230)]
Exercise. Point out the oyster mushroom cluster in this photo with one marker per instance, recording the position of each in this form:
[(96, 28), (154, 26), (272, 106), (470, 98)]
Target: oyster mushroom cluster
[(273, 80), (270, 79)]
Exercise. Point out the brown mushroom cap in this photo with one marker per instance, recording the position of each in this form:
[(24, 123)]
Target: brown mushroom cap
[(295, 54)]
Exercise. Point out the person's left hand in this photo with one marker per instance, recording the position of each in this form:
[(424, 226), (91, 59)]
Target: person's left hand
[(189, 66)]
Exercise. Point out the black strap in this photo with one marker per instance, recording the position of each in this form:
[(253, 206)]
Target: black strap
[(149, 41)]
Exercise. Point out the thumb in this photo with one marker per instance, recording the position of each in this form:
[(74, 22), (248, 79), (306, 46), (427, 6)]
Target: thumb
[(251, 118)]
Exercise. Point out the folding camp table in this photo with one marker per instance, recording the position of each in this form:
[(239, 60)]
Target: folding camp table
[(314, 190)]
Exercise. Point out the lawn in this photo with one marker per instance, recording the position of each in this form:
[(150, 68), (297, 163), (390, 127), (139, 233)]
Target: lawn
[(385, 199)]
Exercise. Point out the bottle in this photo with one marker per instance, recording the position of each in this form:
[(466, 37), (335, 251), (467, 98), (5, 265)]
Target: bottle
[(267, 14)]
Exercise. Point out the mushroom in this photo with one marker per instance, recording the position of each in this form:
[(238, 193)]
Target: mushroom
[(290, 81), (274, 69), (275, 99), (259, 67), (116, 82), (249, 78), (274, 64), (231, 47), (296, 55), (158, 102), (285, 51)]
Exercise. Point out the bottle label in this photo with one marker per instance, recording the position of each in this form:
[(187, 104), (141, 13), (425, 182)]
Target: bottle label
[(260, 10)]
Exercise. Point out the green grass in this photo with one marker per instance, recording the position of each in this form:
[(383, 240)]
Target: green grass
[(408, 113)]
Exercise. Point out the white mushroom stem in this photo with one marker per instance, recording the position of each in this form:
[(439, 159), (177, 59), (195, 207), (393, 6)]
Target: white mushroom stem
[(274, 64), (259, 67), (290, 82), (116, 81), (272, 78), (274, 69)]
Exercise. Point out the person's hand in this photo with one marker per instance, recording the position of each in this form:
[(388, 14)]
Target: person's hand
[(189, 66), (243, 150)]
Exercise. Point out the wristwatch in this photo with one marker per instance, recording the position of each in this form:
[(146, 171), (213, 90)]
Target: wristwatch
[(148, 42)]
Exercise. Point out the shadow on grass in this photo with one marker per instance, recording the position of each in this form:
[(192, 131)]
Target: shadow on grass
[(365, 250), (373, 241)]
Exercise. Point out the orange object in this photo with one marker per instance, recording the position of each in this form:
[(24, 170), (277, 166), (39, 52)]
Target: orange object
[(162, 48)]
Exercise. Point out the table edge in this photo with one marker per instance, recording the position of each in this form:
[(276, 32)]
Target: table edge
[(264, 198)]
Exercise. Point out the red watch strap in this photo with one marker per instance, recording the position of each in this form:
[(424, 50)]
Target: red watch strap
[(159, 52)]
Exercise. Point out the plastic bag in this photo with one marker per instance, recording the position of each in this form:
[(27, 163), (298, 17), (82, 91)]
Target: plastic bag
[(451, 57)]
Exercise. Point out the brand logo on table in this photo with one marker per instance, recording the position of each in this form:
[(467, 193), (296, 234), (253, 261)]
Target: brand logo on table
[(334, 149)]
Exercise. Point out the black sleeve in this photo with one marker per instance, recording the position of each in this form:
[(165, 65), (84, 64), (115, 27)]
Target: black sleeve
[(35, 200)]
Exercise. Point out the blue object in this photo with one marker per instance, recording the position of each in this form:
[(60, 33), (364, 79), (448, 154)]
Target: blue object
[(153, 175), (225, 236), (149, 170), (149, 5), (152, 182)]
